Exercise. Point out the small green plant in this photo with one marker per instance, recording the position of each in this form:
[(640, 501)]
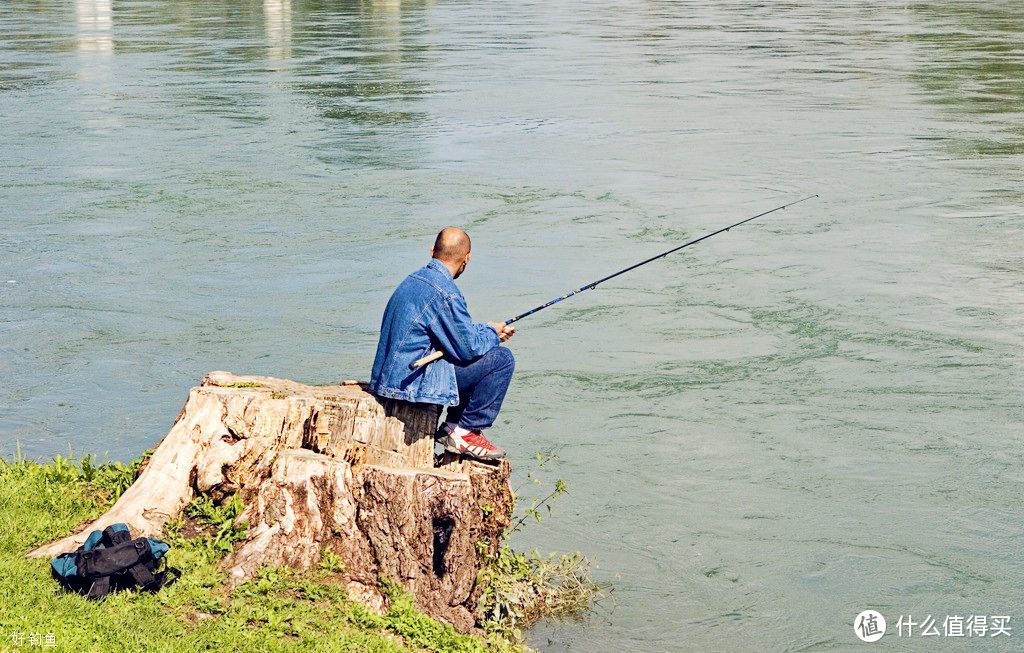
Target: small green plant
[(105, 482), (244, 384), (208, 603), (330, 562), (111, 478), (221, 519), (173, 528), (483, 546), (538, 504)]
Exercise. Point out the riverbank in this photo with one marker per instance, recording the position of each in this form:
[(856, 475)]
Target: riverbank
[(281, 609)]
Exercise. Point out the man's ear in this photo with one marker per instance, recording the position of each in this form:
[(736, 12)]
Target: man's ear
[(432, 253)]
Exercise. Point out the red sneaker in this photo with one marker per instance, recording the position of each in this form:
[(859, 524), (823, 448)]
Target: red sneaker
[(472, 444)]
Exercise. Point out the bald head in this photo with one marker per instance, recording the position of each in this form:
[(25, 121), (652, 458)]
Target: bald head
[(452, 247)]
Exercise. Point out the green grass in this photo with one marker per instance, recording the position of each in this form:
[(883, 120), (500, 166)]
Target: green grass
[(281, 610)]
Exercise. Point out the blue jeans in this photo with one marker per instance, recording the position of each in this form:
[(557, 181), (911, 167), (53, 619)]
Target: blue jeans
[(482, 385)]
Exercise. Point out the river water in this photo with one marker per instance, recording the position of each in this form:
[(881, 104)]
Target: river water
[(814, 414)]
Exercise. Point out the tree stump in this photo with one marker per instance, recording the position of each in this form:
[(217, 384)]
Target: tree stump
[(325, 468)]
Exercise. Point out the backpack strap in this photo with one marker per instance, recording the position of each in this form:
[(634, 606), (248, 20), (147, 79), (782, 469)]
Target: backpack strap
[(99, 588), (143, 576), (116, 534), (168, 576), (142, 571)]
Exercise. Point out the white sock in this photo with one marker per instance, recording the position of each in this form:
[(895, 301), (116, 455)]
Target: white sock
[(459, 431)]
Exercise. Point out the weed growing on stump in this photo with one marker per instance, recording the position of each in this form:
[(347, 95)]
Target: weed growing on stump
[(520, 588)]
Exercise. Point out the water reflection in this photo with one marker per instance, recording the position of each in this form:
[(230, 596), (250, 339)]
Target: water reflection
[(277, 15), (366, 79), (972, 65), (94, 20), (355, 74)]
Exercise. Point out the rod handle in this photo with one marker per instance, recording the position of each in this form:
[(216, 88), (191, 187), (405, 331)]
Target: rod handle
[(418, 363)]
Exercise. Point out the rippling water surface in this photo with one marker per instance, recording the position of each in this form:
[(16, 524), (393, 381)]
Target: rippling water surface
[(811, 415)]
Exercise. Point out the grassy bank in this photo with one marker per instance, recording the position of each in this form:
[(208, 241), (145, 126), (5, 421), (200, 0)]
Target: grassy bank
[(281, 610)]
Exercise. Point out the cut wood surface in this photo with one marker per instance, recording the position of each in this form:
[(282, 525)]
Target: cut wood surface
[(325, 468)]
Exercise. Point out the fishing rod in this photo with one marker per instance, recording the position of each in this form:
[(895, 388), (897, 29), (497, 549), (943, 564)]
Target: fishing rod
[(593, 284)]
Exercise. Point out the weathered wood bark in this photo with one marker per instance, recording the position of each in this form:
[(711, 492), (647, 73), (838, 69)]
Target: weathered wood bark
[(325, 468)]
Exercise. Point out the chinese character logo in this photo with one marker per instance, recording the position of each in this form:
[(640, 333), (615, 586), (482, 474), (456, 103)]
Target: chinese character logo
[(869, 626)]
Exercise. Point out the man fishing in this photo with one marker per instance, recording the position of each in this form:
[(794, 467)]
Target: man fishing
[(427, 314)]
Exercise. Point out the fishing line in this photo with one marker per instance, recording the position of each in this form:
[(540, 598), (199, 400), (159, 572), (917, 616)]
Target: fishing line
[(594, 284)]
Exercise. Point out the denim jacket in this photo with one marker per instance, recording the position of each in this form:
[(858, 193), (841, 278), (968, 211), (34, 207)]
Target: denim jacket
[(426, 312)]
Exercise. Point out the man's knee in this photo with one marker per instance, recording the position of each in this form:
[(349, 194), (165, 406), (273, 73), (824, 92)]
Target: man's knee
[(506, 358)]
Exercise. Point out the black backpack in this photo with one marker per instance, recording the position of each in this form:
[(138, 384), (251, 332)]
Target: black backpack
[(110, 560)]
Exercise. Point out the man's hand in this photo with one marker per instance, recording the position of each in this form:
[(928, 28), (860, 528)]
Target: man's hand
[(504, 331)]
